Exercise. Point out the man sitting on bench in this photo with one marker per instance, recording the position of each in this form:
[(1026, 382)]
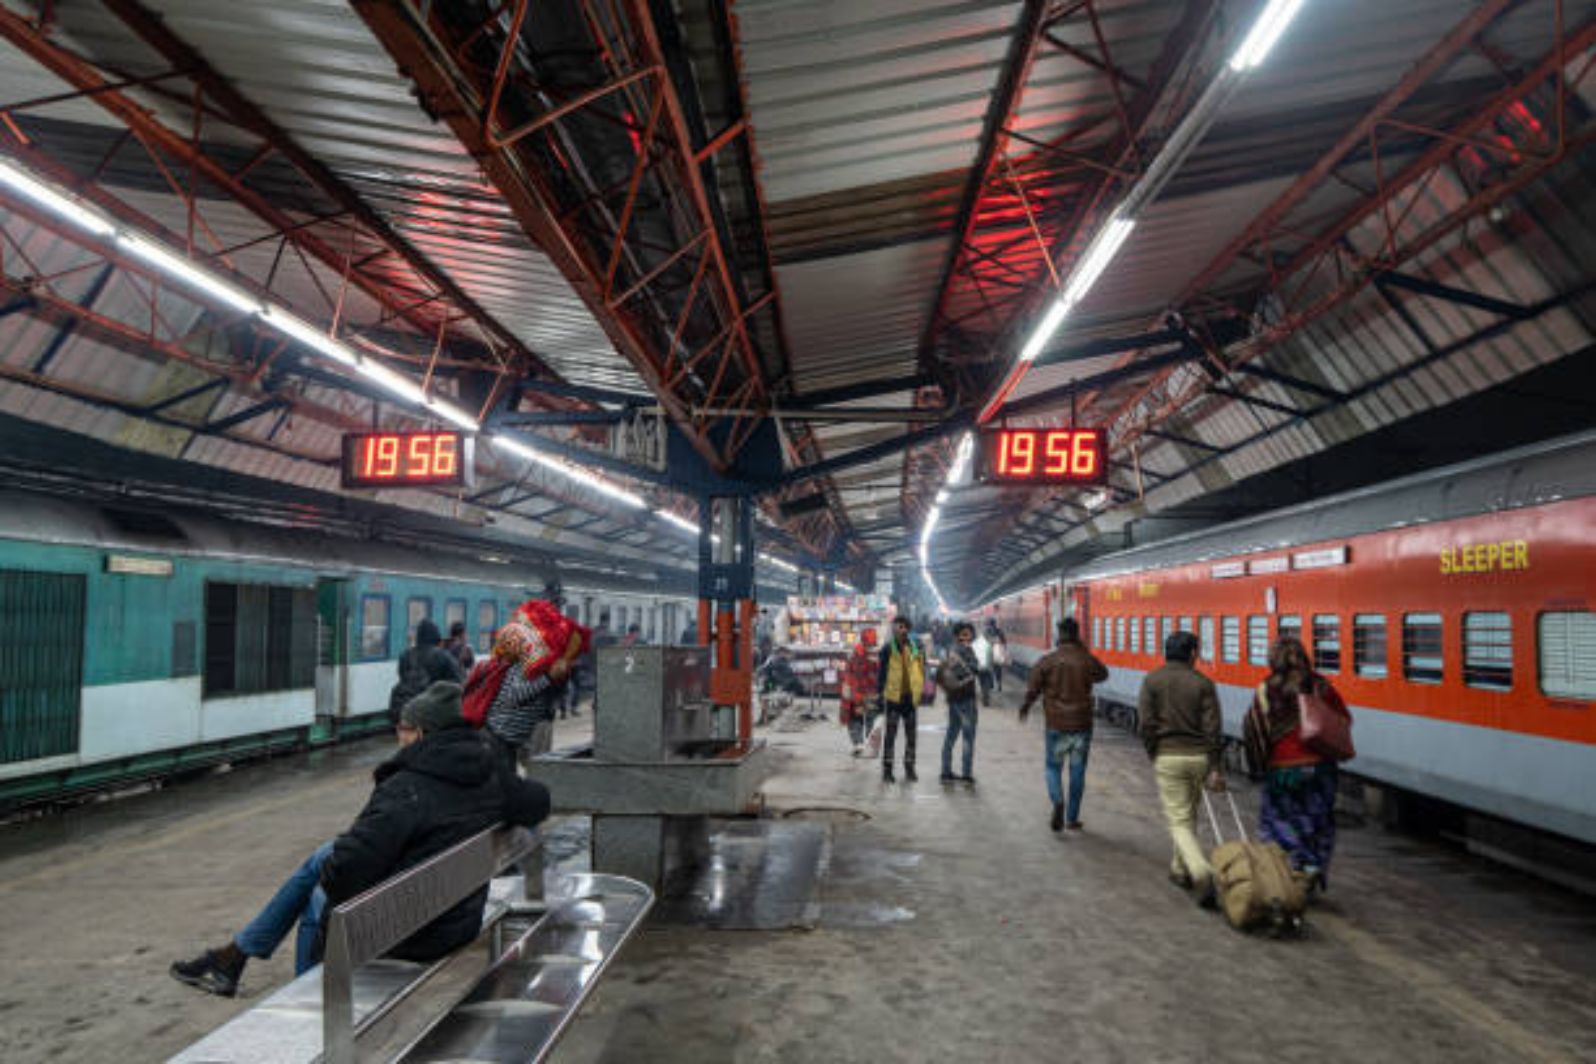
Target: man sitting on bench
[(443, 786)]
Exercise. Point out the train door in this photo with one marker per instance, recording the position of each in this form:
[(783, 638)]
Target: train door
[(41, 664), (1080, 599), (334, 626)]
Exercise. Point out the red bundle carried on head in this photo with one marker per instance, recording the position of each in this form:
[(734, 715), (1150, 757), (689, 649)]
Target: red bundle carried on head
[(544, 636)]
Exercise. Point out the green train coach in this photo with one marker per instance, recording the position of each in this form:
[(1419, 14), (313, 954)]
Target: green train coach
[(141, 645)]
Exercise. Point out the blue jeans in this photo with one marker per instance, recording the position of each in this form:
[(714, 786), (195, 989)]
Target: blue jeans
[(961, 719), (299, 898), (1077, 746)]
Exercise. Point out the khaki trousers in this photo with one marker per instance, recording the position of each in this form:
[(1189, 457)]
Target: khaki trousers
[(1180, 787)]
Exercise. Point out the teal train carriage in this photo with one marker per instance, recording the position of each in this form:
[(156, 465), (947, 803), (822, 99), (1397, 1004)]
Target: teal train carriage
[(139, 644)]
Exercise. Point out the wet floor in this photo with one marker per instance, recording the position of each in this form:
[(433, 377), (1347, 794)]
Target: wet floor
[(916, 922)]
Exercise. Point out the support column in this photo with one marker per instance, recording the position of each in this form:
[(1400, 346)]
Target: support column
[(726, 608)]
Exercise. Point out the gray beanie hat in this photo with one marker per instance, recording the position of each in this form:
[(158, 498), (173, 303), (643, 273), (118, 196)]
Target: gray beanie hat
[(434, 709)]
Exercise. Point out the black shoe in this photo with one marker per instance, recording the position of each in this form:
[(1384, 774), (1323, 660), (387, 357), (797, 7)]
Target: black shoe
[(1181, 880), (967, 779), (886, 775), (1075, 825), (1208, 897), (208, 973), (948, 777), (908, 773), (1057, 823)]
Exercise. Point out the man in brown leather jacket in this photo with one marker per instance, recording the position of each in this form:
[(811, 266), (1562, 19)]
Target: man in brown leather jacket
[(1063, 680)]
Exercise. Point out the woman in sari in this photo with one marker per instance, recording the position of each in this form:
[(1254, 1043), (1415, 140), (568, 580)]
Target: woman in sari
[(1299, 795)]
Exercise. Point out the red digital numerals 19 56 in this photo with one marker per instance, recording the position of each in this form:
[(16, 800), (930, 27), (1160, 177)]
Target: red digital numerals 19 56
[(419, 456), (1061, 454)]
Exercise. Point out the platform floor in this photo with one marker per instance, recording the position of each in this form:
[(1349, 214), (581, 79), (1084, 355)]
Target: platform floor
[(952, 926)]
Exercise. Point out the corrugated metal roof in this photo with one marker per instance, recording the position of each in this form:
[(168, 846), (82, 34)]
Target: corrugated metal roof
[(313, 67)]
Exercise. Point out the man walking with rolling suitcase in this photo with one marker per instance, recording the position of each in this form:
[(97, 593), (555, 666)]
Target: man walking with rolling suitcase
[(1178, 710)]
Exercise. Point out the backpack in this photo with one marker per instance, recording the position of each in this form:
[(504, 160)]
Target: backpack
[(481, 688)]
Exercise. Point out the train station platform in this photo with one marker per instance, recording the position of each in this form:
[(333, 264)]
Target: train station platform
[(946, 923)]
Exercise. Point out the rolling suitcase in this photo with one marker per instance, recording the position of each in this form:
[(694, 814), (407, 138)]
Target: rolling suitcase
[(1258, 889)]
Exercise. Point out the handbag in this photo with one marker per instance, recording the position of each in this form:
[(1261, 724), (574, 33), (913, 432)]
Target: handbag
[(1325, 730)]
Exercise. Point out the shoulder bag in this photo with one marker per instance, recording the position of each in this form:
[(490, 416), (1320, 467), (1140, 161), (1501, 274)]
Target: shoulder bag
[(1326, 729)]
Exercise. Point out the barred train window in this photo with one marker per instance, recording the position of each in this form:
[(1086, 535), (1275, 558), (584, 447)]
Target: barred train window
[(1258, 640), (1135, 635), (1150, 644), (374, 627), (1327, 642), (1368, 644), (1097, 631), (1230, 639), (416, 611), (1205, 637), (1119, 633), (1422, 648), (258, 639), (1568, 654), (1185, 625), (1168, 630), (487, 621), (1290, 626), (454, 610), (1488, 651)]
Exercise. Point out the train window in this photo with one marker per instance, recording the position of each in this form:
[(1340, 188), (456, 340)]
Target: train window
[(1327, 642), (1290, 626), (1258, 639), (1205, 637), (374, 627), (1151, 642), (1119, 633), (1168, 629), (1422, 647), (258, 639), (1488, 651), (1368, 644), (1184, 625), (454, 610), (1568, 654), (1230, 639), (1135, 635), (416, 611), (1097, 631), (487, 621)]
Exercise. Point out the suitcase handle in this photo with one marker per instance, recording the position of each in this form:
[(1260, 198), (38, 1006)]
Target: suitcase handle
[(1235, 813)]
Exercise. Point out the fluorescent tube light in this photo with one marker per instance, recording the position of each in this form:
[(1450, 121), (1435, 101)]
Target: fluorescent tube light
[(1265, 32), (680, 522), (394, 382), (449, 412), (1044, 330), (186, 272), (307, 334), (67, 208), (1097, 258), (585, 477), (942, 496)]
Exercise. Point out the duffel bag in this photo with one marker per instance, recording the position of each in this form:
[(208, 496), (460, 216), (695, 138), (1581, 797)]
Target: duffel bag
[(1258, 889)]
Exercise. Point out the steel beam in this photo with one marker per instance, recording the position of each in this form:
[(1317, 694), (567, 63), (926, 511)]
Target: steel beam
[(1436, 290)]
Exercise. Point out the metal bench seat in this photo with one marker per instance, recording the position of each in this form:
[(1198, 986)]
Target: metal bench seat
[(510, 993)]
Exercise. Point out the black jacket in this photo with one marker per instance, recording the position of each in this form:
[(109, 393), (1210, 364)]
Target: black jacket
[(420, 667), (431, 795)]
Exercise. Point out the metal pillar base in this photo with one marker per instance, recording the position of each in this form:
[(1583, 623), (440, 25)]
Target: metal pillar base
[(656, 850)]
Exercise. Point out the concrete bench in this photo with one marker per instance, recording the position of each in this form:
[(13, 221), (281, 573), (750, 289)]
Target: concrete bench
[(506, 996)]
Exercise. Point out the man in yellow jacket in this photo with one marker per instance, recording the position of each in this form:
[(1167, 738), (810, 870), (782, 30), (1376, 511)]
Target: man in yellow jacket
[(902, 680)]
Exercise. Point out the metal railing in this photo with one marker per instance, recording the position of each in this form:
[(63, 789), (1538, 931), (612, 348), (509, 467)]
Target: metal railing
[(369, 925)]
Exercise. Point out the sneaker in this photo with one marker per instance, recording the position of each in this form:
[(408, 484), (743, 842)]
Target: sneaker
[(858, 751), (1057, 823), (908, 773), (209, 974), (886, 775), (1075, 825)]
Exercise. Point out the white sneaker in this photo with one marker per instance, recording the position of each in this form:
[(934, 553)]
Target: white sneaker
[(858, 750)]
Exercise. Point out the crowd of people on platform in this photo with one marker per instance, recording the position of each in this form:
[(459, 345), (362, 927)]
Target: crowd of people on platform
[(1179, 724)]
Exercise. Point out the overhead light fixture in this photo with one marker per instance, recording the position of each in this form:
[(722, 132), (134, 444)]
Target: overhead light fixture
[(395, 383), (942, 496), (1044, 330), (680, 522), (1265, 32), (780, 563), (585, 477), (67, 208), (185, 272), (302, 332), (449, 412), (1097, 257)]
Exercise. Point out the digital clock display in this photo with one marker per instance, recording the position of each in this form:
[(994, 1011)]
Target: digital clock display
[(1041, 456), (407, 459)]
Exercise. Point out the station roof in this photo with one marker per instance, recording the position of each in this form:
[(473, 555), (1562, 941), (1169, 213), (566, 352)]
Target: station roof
[(843, 221)]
